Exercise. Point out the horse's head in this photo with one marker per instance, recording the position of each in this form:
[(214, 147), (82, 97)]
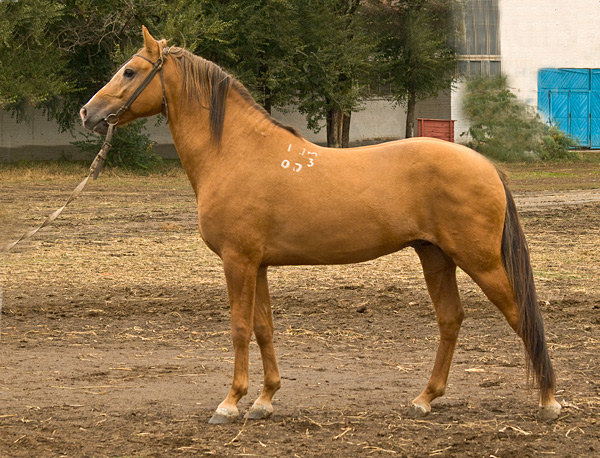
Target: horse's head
[(110, 104)]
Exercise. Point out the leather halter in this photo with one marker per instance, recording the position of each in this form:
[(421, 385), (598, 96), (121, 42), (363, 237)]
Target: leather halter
[(113, 118)]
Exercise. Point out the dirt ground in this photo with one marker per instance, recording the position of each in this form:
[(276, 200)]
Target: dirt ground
[(115, 334)]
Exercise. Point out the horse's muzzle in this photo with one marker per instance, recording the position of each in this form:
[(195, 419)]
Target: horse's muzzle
[(93, 122)]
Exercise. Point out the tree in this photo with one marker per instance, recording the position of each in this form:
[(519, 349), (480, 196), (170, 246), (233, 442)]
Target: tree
[(316, 54), (335, 60), (32, 68), (54, 54), (261, 44), (416, 49)]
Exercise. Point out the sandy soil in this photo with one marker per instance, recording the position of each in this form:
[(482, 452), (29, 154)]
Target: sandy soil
[(115, 338)]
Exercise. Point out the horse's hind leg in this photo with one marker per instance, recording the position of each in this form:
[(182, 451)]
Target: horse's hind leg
[(263, 330), (496, 286), (440, 275)]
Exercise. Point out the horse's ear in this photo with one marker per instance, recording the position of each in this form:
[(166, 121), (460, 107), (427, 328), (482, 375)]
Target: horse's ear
[(150, 43)]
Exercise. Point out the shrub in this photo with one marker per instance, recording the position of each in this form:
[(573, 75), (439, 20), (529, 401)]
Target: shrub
[(131, 147), (506, 129)]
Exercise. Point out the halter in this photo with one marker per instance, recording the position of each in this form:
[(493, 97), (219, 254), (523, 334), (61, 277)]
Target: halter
[(113, 118)]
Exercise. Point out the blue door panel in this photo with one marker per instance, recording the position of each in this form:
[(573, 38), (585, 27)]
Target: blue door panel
[(564, 78), (595, 115), (595, 104), (595, 83), (579, 104), (579, 110), (559, 104), (569, 98), (544, 103), (595, 132), (579, 130)]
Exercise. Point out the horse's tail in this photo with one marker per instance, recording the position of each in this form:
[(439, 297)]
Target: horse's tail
[(516, 262)]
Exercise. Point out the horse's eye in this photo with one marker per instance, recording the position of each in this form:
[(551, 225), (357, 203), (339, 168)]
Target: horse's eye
[(128, 73)]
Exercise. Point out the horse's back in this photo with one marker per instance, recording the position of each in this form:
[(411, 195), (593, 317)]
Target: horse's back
[(359, 203)]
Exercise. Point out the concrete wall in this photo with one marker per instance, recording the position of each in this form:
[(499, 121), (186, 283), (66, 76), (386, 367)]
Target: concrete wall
[(461, 124), (546, 33), (35, 138), (39, 139), (378, 119)]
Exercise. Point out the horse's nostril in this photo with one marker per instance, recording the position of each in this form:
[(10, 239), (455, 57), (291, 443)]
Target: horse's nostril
[(83, 114)]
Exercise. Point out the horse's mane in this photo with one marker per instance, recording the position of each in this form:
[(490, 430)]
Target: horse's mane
[(204, 81)]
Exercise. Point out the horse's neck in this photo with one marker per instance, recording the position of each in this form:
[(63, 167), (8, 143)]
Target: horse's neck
[(246, 132)]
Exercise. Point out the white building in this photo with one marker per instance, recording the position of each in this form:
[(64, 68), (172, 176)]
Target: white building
[(548, 49)]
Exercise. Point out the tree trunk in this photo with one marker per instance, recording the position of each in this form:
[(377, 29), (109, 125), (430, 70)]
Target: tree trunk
[(410, 115), (268, 105), (346, 130), (333, 128), (267, 101), (338, 128)]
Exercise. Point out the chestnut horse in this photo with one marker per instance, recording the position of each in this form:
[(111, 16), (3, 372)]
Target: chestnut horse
[(268, 197)]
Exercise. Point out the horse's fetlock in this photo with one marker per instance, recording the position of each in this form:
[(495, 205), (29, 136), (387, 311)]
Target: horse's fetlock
[(240, 390), (435, 391), (273, 384)]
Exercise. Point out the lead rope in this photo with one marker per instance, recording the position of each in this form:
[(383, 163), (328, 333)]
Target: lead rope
[(94, 171), (112, 120)]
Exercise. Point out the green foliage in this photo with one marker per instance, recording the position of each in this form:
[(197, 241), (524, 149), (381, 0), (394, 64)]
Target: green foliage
[(54, 54), (32, 69), (414, 50), (506, 129), (259, 46), (316, 54), (557, 146), (131, 147), (335, 58)]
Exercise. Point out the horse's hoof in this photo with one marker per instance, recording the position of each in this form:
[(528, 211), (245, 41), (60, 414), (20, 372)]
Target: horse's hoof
[(419, 410), (259, 412), (549, 412), (223, 416)]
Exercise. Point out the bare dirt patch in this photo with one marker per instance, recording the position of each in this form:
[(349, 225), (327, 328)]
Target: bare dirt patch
[(115, 338)]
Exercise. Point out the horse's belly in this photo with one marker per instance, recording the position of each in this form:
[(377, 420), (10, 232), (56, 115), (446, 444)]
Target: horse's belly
[(336, 244), (309, 257)]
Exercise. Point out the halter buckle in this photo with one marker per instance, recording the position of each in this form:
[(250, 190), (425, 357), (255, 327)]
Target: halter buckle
[(111, 119)]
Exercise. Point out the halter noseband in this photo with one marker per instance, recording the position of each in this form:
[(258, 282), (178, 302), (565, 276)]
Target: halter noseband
[(113, 118)]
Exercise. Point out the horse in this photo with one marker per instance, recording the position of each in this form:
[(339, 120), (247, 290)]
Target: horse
[(268, 197)]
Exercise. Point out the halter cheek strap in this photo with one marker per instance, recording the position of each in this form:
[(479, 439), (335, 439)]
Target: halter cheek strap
[(113, 118)]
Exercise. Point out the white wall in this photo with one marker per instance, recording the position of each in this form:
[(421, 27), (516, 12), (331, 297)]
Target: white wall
[(547, 33), (378, 120), (39, 138), (35, 133), (461, 125)]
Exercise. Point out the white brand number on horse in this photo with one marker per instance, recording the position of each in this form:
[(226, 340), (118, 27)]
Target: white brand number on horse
[(307, 159)]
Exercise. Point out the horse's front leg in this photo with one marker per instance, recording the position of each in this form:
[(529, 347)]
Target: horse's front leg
[(240, 274), (263, 329)]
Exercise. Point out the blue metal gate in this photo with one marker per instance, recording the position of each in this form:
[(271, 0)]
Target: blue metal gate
[(570, 99)]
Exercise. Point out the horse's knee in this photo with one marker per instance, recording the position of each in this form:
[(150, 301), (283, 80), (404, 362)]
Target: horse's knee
[(449, 325), (241, 334)]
